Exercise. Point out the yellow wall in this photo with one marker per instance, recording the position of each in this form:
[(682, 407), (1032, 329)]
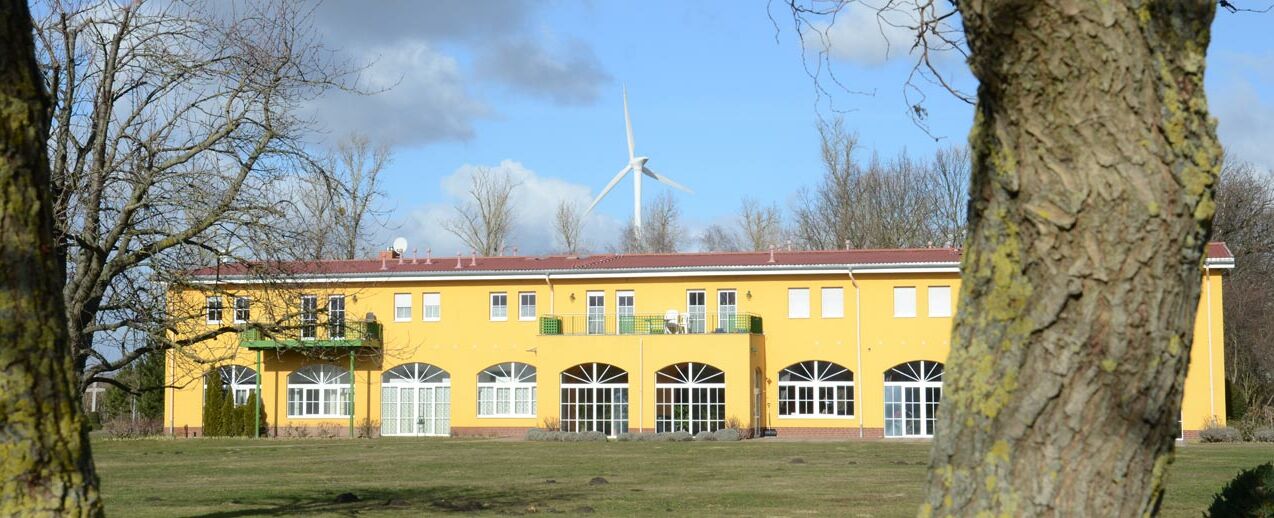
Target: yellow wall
[(465, 341)]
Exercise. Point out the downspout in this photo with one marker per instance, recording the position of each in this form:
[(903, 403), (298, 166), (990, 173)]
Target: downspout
[(1207, 276), (858, 343), (172, 388), (351, 393), (548, 279), (641, 394)]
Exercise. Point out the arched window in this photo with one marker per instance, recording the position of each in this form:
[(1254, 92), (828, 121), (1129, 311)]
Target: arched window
[(415, 399), (595, 398), (912, 393), (238, 380), (816, 389), (319, 391), (689, 397), (507, 390)]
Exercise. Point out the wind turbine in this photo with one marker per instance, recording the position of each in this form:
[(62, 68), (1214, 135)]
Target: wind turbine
[(637, 166)]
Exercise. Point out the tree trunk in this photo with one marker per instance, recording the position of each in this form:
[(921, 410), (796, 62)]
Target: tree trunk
[(1094, 161), (45, 464)]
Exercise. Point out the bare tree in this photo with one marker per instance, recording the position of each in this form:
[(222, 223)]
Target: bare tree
[(569, 223), (47, 468), (339, 201), (760, 226), (485, 219), (718, 238), (823, 217), (948, 183), (173, 127), (1064, 359), (661, 231)]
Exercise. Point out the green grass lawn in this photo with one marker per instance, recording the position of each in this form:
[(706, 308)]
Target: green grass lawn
[(409, 477)]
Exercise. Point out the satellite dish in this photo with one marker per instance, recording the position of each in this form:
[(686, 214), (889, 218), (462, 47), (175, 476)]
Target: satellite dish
[(400, 245)]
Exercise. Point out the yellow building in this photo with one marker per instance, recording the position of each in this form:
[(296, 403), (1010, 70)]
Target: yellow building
[(829, 343)]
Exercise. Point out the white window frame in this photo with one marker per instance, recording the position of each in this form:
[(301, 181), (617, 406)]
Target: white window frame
[(922, 378), (504, 313), (943, 294), (514, 381), (522, 306), (794, 295), (594, 398), (246, 309), (399, 299), (698, 390), (727, 312), (813, 377), (425, 305), (323, 382), (309, 317), (213, 303), (696, 314), (415, 401), (625, 315), (240, 381), (835, 294), (595, 315), (337, 324), (901, 295)]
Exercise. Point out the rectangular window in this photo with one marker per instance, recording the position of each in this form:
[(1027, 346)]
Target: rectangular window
[(798, 303), (402, 307), (833, 302), (696, 311), (939, 301), (904, 301), (596, 318), (242, 310), (309, 316), (433, 307), (526, 305), (336, 317), (626, 311), (212, 305), (727, 311), (499, 306)]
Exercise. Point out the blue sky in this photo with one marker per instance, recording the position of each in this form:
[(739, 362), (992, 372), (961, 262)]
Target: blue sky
[(720, 103)]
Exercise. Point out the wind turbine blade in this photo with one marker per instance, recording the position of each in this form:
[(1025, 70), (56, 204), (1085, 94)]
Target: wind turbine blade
[(628, 124), (665, 180), (613, 182)]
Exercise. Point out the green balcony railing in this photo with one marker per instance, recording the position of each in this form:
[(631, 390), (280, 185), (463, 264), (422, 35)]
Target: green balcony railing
[(319, 335), (651, 324)]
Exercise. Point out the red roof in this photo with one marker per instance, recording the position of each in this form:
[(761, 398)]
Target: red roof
[(906, 257)]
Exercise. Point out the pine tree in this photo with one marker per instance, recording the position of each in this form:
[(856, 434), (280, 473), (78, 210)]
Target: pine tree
[(213, 395)]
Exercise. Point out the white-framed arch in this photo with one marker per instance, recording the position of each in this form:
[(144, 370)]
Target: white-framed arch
[(320, 390), (816, 389), (595, 398), (689, 397), (415, 399), (913, 391), (237, 380), (507, 390)]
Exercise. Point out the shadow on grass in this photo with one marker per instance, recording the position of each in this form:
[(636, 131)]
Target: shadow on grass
[(437, 499)]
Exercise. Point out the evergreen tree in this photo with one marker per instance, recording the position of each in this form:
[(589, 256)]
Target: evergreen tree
[(230, 421), (213, 396)]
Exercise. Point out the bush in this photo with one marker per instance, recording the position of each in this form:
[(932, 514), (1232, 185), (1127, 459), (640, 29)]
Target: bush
[(1263, 435), (705, 436), (125, 427), (1214, 433), (1251, 493), (536, 434), (727, 434), (678, 436)]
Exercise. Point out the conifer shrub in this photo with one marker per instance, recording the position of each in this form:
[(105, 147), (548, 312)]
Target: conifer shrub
[(213, 396), (1251, 493)]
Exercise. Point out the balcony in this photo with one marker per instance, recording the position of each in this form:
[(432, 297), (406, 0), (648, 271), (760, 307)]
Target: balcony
[(318, 336), (650, 324)]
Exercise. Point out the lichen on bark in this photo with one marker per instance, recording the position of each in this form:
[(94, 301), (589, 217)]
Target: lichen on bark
[(45, 465), (1091, 203)]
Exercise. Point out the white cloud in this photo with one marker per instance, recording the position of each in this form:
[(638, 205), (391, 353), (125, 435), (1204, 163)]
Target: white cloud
[(871, 35), (1246, 123), (416, 95), (535, 204)]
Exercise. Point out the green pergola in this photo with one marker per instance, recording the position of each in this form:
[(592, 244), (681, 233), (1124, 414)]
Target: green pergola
[(358, 336)]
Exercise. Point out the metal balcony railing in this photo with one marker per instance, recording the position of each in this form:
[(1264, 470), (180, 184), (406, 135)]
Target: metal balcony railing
[(317, 335), (651, 324)]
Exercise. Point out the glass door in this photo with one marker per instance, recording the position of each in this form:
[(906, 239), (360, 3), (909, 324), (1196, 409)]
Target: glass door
[(596, 313), (696, 311), (727, 310), (625, 312)]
